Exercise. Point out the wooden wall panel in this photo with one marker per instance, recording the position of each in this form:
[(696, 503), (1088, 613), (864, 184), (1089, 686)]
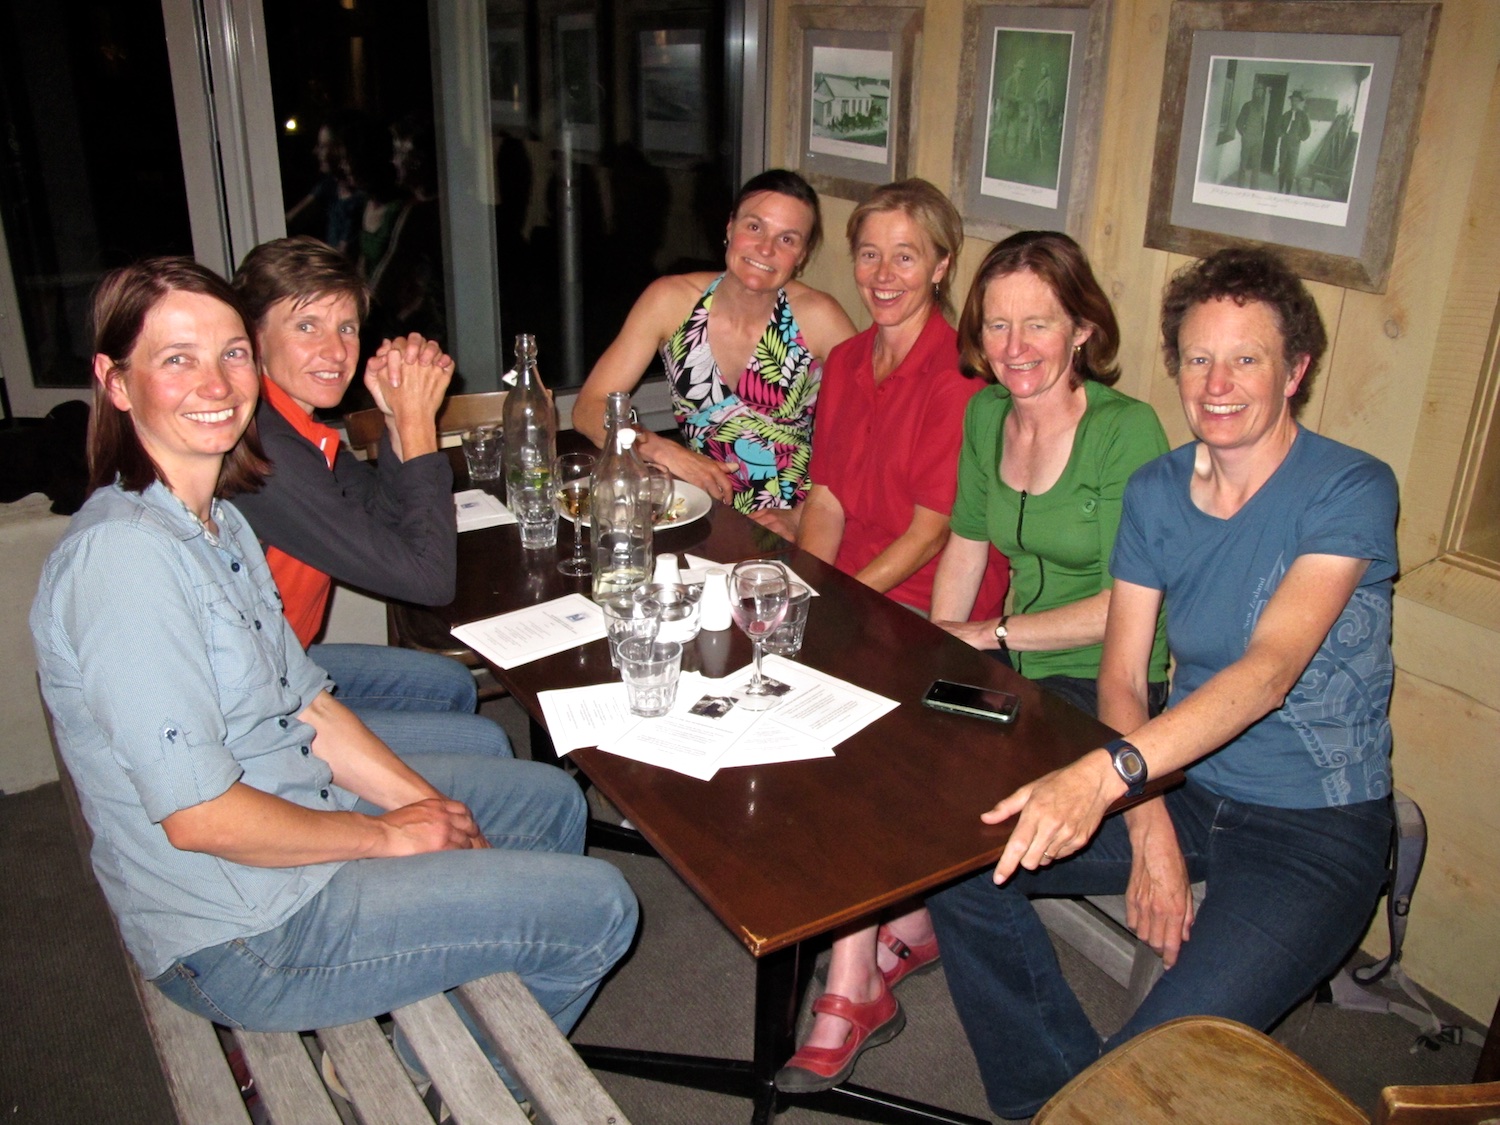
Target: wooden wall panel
[(1399, 381)]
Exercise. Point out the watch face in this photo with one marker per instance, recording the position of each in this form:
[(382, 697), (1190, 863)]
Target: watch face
[(1131, 765)]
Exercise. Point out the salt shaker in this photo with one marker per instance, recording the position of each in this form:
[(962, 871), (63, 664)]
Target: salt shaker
[(713, 611), (667, 573)]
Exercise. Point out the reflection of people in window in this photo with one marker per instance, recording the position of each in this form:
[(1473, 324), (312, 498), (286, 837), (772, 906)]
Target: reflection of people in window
[(1295, 128), (1251, 126)]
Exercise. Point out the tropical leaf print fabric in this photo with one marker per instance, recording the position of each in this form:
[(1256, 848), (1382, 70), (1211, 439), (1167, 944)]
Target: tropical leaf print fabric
[(766, 425)]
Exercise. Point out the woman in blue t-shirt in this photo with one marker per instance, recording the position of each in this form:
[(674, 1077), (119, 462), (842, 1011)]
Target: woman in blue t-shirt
[(1273, 550)]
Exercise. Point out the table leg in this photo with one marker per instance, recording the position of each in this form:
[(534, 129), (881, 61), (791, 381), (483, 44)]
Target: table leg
[(780, 979)]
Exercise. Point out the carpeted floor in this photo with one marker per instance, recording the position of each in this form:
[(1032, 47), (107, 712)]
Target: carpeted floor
[(73, 1048)]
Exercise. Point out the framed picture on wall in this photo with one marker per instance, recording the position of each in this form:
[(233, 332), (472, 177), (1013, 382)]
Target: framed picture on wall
[(508, 77), (1290, 125), (1026, 138), (577, 70), (851, 95), (671, 92)]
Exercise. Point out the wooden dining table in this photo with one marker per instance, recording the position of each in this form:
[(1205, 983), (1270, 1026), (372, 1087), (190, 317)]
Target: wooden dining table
[(784, 854)]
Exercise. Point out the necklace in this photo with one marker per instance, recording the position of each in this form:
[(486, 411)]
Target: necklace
[(213, 515)]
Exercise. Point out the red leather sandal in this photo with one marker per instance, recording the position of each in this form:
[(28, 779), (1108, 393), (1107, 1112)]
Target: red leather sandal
[(820, 1068), (909, 958)]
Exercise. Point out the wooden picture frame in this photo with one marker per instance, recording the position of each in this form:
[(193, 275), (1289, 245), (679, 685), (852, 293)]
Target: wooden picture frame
[(851, 95), (1027, 134), (1247, 88), (671, 67)]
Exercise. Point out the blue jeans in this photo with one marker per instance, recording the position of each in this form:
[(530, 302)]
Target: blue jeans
[(388, 932), (1289, 893), (415, 702)]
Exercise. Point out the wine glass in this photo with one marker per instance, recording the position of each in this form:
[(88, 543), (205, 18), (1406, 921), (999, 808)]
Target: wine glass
[(758, 595), (570, 484)]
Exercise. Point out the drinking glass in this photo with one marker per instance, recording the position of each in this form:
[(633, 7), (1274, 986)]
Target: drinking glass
[(663, 488), (650, 670), (482, 449), (786, 640), (627, 618), (570, 482), (758, 595)]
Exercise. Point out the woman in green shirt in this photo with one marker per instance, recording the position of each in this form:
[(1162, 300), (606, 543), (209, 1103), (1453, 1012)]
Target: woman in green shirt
[(1043, 466)]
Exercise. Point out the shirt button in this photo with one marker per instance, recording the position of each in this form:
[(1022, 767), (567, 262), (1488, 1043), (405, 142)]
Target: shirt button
[(257, 624), (304, 751), (283, 681), (323, 793), (234, 566), (283, 723)]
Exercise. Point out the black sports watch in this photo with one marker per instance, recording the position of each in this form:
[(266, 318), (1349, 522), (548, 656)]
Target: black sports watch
[(1130, 764)]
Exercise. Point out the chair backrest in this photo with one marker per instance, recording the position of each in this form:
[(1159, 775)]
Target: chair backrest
[(1200, 1070), (457, 414), (464, 412), (364, 429), (1438, 1105)]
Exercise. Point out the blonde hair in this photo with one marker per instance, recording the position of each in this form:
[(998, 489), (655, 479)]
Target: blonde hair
[(929, 208)]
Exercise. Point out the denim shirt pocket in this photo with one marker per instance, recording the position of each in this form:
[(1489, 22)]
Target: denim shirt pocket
[(239, 645)]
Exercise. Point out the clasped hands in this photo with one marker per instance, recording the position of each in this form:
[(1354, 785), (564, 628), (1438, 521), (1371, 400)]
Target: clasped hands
[(409, 375), (435, 824)]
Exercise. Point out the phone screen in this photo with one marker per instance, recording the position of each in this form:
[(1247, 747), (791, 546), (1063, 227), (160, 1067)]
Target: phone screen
[(968, 699)]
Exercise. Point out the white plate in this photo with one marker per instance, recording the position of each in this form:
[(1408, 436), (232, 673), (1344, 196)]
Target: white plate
[(696, 507)]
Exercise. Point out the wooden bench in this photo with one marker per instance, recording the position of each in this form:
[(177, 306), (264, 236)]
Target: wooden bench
[(195, 1057)]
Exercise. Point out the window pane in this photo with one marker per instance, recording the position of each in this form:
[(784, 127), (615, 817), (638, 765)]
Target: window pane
[(91, 174), (634, 91)]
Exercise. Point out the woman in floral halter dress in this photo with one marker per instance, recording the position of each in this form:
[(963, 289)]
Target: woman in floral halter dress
[(743, 352)]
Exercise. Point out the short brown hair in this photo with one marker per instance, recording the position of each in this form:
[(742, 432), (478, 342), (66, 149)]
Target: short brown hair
[(1062, 264), (931, 210), (122, 301), (1243, 276), (790, 184), (300, 269)]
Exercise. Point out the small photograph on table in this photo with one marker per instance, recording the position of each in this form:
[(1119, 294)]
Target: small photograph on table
[(713, 706)]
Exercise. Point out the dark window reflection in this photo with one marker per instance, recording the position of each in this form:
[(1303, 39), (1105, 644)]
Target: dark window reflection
[(90, 170), (635, 91)]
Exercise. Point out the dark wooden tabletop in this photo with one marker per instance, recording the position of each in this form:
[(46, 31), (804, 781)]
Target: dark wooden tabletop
[(788, 851)]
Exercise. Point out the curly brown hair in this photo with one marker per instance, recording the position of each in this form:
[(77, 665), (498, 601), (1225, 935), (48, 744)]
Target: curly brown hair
[(1243, 276), (1062, 264)]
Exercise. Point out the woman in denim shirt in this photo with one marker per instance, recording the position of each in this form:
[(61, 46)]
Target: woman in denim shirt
[(273, 865)]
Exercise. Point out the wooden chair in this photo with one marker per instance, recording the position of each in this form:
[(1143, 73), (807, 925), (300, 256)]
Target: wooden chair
[(1202, 1070), (459, 413)]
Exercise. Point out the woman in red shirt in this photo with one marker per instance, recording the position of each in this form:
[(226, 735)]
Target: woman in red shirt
[(884, 472)]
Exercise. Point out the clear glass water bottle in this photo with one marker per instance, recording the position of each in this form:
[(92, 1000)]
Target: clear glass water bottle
[(620, 507), (529, 423)]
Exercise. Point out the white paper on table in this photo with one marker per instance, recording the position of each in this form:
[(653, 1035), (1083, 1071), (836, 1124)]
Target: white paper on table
[(476, 508), (585, 716), (702, 726), (696, 564), (820, 707), (529, 634), (768, 742)]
